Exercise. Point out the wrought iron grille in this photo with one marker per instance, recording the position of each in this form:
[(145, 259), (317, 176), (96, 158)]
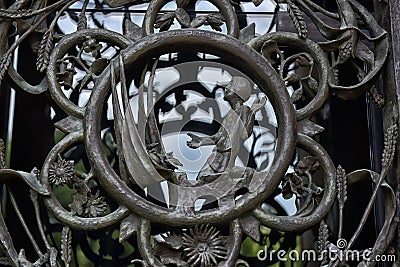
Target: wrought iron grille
[(179, 133)]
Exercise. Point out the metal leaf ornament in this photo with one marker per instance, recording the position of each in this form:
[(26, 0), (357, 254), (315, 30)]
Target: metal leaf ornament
[(2, 154), (297, 17), (46, 45), (5, 63), (164, 22), (66, 245)]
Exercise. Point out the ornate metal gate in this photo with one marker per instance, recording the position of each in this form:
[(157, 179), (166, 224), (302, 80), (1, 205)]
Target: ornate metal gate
[(192, 141)]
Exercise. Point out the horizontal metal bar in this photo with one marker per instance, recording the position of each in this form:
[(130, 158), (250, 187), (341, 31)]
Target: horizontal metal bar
[(138, 11)]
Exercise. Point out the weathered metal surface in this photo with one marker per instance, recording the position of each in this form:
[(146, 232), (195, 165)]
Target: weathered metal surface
[(388, 15), (111, 161)]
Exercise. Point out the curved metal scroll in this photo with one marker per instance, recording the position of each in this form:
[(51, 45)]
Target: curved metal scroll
[(114, 171)]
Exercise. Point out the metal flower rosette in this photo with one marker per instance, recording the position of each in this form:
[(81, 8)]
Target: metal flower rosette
[(111, 187)]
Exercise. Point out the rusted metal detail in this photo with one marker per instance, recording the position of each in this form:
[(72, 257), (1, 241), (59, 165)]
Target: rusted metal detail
[(112, 161), (55, 207), (285, 39), (348, 41), (117, 3), (8, 175), (2, 154), (387, 15), (381, 42), (202, 245), (69, 125), (298, 223), (224, 6), (7, 246), (236, 233), (17, 81), (145, 247), (235, 53), (55, 73)]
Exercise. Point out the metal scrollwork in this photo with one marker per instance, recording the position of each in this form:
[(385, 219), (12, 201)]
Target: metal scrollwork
[(269, 45), (110, 179), (83, 214), (120, 189), (66, 60)]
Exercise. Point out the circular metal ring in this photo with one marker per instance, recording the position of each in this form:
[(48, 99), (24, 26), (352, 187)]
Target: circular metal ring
[(295, 223), (223, 5), (55, 207), (145, 248), (62, 48), (321, 61), (232, 52)]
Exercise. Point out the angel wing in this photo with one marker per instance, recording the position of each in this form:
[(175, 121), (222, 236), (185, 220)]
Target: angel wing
[(136, 158)]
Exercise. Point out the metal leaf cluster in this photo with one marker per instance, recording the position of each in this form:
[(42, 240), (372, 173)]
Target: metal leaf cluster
[(5, 63), (82, 23), (66, 245), (2, 154), (88, 205), (341, 185), (164, 22), (323, 242), (297, 17), (46, 45), (389, 145), (377, 97)]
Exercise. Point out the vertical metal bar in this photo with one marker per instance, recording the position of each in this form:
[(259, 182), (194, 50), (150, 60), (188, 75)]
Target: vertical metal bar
[(394, 8), (388, 15)]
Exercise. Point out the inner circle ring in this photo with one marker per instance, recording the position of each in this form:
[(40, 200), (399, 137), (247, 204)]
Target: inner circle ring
[(236, 54)]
